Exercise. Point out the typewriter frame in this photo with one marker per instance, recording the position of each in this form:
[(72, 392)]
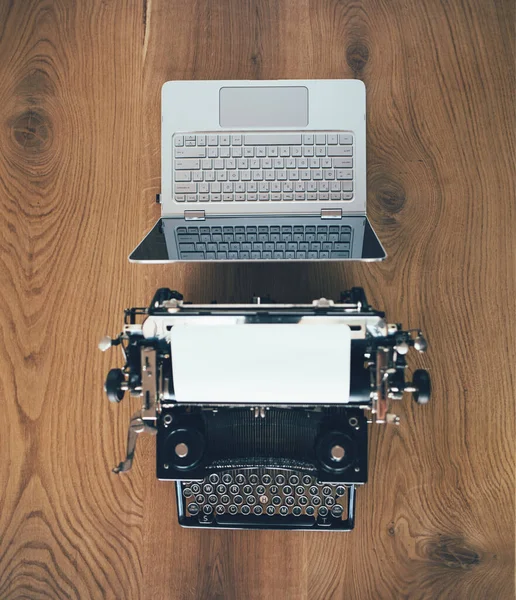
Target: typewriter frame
[(377, 380)]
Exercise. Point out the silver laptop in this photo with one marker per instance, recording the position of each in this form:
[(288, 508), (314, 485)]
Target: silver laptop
[(260, 171)]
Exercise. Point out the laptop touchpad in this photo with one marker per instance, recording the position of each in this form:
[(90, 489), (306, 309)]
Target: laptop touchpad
[(263, 106)]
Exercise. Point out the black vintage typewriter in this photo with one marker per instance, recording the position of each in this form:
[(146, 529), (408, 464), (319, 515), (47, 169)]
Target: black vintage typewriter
[(261, 410)]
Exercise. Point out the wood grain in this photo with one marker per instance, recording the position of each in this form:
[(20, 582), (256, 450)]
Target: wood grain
[(80, 150)]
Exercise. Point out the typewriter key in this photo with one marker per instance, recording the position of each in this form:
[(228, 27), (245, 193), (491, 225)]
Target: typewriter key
[(276, 500), (232, 510), (213, 478), (341, 490), (225, 499), (300, 490), (260, 489), (193, 508), (293, 480), (264, 499), (238, 499), (329, 501), (245, 509), (283, 511), (303, 500), (289, 501), (227, 479), (196, 488), (240, 479), (250, 500), (280, 479), (310, 510), (274, 489), (187, 492), (199, 499), (287, 490), (316, 500), (326, 490), (270, 510), (234, 489), (220, 509), (337, 511), (207, 488), (221, 488), (307, 480), (314, 490), (212, 499), (257, 510), (207, 509), (247, 489), (266, 479), (323, 511), (296, 511), (253, 479)]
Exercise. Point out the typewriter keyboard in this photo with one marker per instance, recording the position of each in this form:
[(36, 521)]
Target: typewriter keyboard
[(264, 242), (263, 167), (264, 496)]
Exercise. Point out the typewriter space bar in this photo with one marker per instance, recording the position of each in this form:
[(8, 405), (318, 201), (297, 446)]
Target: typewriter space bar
[(276, 521)]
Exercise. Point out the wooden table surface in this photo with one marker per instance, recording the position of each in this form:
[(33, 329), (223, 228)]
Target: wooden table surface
[(79, 169)]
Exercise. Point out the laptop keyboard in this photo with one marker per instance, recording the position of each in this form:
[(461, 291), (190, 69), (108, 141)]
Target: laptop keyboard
[(259, 242), (263, 167)]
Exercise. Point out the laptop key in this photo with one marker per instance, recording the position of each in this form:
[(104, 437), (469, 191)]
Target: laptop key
[(187, 237), (233, 255), (187, 247), (222, 255), (210, 255), (244, 255), (313, 254), (341, 246), (278, 255), (324, 254), (301, 254), (339, 255), (266, 254), (256, 254), (192, 255), (290, 254)]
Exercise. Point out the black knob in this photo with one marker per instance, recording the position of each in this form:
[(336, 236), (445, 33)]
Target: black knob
[(113, 385), (421, 381)]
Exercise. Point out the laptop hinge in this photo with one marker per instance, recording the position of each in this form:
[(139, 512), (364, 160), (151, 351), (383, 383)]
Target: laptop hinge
[(331, 213), (194, 215)]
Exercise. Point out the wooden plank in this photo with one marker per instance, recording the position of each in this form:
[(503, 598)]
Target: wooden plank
[(80, 140)]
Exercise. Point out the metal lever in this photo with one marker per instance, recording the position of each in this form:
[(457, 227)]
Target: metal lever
[(136, 426)]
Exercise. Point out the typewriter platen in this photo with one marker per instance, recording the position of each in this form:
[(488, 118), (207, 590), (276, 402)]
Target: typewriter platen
[(290, 462)]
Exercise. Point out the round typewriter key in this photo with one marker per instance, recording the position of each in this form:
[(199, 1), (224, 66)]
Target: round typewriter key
[(296, 511), (240, 479), (234, 489), (314, 490), (300, 490), (226, 478), (283, 511), (199, 499), (260, 489), (247, 489), (238, 499), (245, 509), (264, 499), (196, 488), (326, 490), (207, 488), (341, 490), (232, 510), (193, 508), (289, 501), (213, 478), (225, 499), (293, 480), (257, 510), (303, 500), (212, 499), (337, 511), (221, 488), (276, 500), (329, 501), (253, 479), (274, 489), (307, 480), (266, 479), (287, 490), (207, 509), (323, 511), (250, 500), (187, 492), (280, 479), (270, 510), (219, 509), (315, 500), (310, 510)]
